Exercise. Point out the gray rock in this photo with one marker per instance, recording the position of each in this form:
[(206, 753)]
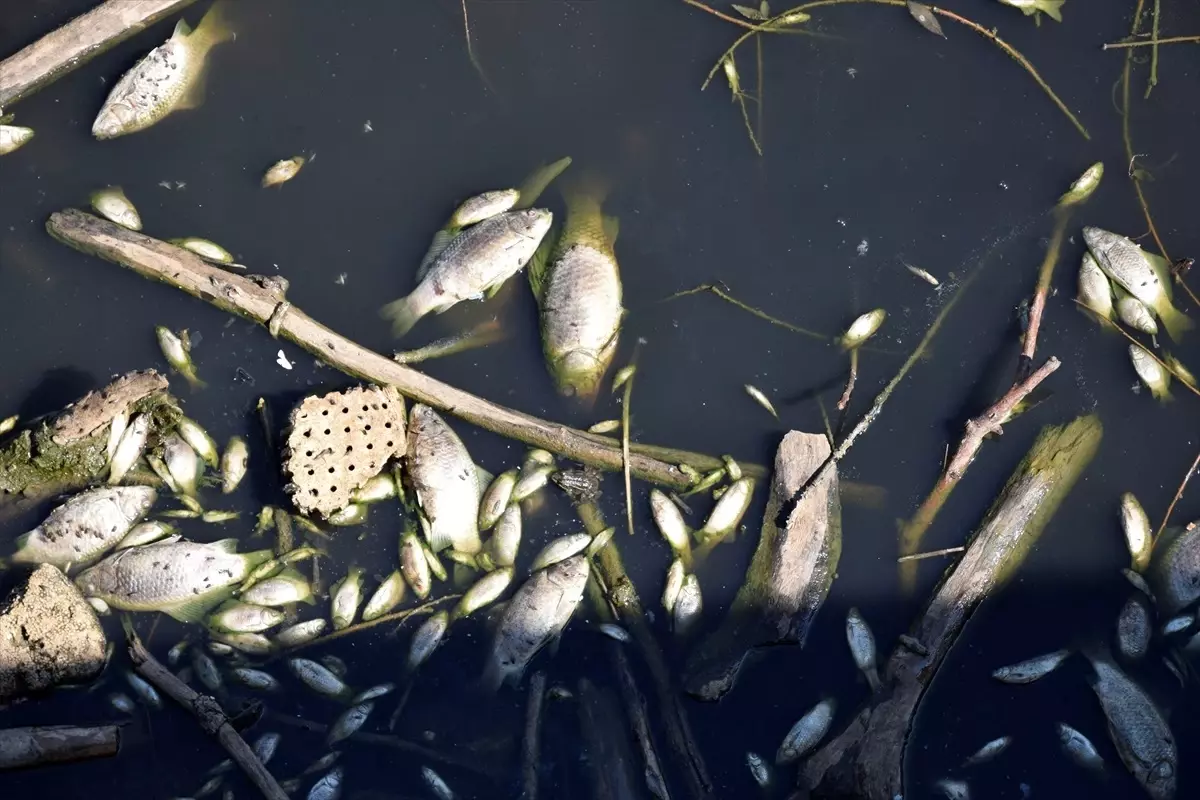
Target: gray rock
[(49, 636)]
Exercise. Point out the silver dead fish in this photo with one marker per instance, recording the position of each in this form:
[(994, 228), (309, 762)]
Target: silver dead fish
[(446, 482), (130, 448), (234, 462), (862, 647), (85, 527), (808, 731), (1031, 669), (112, 204), (1144, 275)]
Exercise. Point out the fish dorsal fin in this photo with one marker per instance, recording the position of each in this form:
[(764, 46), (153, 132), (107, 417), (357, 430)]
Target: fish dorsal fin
[(612, 227), (182, 30), (225, 545)]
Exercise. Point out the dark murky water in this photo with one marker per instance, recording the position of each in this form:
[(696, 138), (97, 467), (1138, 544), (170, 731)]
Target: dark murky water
[(882, 143)]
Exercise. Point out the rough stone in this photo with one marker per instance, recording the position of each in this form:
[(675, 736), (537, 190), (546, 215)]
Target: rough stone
[(49, 636)]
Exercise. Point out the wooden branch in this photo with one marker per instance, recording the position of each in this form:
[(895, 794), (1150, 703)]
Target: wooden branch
[(56, 744), (257, 298), (866, 760), (208, 713), (531, 746), (79, 41), (977, 429)]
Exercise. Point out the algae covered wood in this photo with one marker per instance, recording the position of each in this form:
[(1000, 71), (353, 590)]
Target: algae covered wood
[(56, 744), (789, 575), (97, 409), (866, 760), (262, 299), (79, 41)]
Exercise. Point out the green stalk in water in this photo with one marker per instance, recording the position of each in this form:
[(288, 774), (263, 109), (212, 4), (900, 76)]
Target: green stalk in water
[(481, 335)]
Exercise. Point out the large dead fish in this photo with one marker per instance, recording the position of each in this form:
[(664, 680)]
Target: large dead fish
[(86, 526), (180, 578), (1144, 275), (579, 294), (537, 613), (475, 264), (169, 78), (1175, 569), (446, 482), (789, 575)]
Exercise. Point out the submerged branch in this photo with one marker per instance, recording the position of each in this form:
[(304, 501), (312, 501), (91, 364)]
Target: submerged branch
[(56, 744), (1187, 476), (1155, 42), (1042, 292)]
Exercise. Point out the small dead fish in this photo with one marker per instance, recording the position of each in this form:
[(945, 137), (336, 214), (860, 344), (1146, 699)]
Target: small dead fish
[(352, 514), (116, 429), (112, 204), (862, 647), (506, 538), (143, 690), (670, 523), (1133, 312), (954, 789), (84, 527), (346, 596), (199, 439), (496, 499), (531, 480), (265, 746), (989, 751), (216, 516), (349, 721), (146, 533), (376, 490), (240, 617), (182, 463), (760, 770), (255, 679), (1031, 669), (605, 426), (300, 633), (427, 639), (387, 596), (8, 424), (1177, 624), (99, 606), (373, 693), (205, 248), (130, 448), (436, 785), (329, 787), (1135, 626), (1079, 748), (484, 592), (674, 584), (560, 549), (1138, 582), (614, 631), (177, 650), (1052, 9), (728, 512), (1095, 291), (1136, 526), (254, 644), (757, 395), (14, 137), (446, 482), (689, 606), (862, 329), (169, 78), (234, 462), (1083, 186), (205, 670), (414, 565), (806, 733), (121, 702), (289, 586), (600, 541), (1150, 372), (282, 171), (318, 677)]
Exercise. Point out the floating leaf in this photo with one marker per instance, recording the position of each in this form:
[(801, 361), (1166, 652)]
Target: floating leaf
[(924, 15), (750, 13)]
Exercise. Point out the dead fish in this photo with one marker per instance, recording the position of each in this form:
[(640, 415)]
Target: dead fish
[(446, 482), (436, 785), (1138, 582), (579, 294), (376, 490), (806, 733), (1083, 186), (234, 462), (345, 597), (1095, 292), (689, 605), (674, 584), (920, 273), (560, 549), (121, 702), (254, 644), (85, 526), (533, 479), (537, 613), (130, 448), (180, 578), (265, 746), (329, 787), (112, 204), (255, 679), (863, 328), (670, 523), (622, 376), (216, 516), (953, 789), (989, 751), (348, 722), (1031, 669), (1175, 570), (1144, 275), (205, 670), (183, 464), (1134, 628), (387, 596), (318, 677), (146, 533), (483, 592), (1177, 624), (1133, 312), (1079, 748), (1052, 8), (14, 137), (1137, 728), (1136, 526), (475, 263), (143, 690), (283, 171), (506, 538), (414, 565), (199, 440), (760, 770), (605, 426), (427, 639), (1150, 372), (300, 633), (205, 248), (169, 78), (496, 499), (728, 512), (373, 693), (351, 514), (862, 647), (241, 617), (471, 211)]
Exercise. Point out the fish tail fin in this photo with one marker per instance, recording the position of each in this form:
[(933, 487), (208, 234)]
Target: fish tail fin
[(255, 557), (214, 27), (403, 313), (1052, 8), (1175, 321), (194, 380), (536, 182), (585, 188), (873, 681)]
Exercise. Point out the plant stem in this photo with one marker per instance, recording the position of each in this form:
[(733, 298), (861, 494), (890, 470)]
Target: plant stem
[(739, 22), (1154, 42), (1187, 476), (626, 399), (1153, 54), (845, 398), (1045, 274), (723, 293), (947, 551)]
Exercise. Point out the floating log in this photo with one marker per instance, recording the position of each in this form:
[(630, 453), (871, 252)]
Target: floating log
[(79, 41), (866, 760), (56, 744)]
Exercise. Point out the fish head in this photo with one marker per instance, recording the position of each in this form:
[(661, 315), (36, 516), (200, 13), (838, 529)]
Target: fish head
[(90, 582), (112, 121), (532, 223), (1160, 779), (136, 500), (579, 374), (1100, 241)]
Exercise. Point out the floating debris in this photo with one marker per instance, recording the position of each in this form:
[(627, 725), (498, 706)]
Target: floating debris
[(283, 171), (112, 204), (761, 399)]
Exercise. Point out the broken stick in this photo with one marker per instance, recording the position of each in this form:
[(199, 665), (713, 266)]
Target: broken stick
[(56, 744)]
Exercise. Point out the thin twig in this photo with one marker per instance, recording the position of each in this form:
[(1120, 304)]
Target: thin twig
[(741, 100), (1042, 292), (471, 50), (845, 399), (1153, 54), (358, 627), (982, 31), (947, 551), (758, 96), (977, 429), (739, 22), (206, 710), (1168, 40), (1187, 476), (1114, 326), (626, 398), (724, 294), (1128, 137)]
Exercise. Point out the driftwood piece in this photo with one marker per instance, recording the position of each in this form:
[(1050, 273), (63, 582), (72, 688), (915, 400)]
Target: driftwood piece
[(207, 712), (79, 41), (639, 721), (607, 755), (258, 299), (789, 576), (56, 744), (866, 760), (531, 746), (97, 408)]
